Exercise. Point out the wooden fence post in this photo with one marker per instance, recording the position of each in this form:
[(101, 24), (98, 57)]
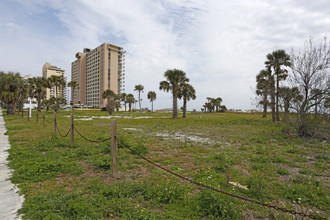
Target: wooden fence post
[(114, 147), (28, 114), (55, 123), (72, 130), (43, 120)]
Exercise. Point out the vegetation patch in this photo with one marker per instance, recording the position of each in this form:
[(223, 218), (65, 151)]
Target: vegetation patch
[(64, 182)]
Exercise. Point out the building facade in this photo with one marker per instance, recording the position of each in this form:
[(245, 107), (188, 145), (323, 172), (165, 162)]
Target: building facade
[(78, 74), (96, 70), (47, 71)]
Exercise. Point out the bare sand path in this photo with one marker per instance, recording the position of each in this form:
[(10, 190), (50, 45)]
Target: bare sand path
[(10, 200)]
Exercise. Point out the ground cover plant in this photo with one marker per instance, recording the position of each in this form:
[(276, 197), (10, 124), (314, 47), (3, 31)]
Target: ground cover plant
[(243, 154)]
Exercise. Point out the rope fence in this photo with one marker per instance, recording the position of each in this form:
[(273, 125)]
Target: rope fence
[(223, 192), (96, 141), (114, 166), (60, 131), (49, 122)]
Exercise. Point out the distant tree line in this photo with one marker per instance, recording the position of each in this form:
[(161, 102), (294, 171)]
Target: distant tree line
[(305, 90), (213, 105), (14, 90), (114, 100)]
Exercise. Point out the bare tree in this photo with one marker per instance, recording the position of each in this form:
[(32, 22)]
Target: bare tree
[(310, 73)]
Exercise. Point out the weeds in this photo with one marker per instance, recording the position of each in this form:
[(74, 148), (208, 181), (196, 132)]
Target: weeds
[(64, 182)]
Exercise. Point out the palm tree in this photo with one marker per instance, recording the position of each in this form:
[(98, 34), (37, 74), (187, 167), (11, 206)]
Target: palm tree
[(123, 99), (38, 85), (110, 96), (130, 100), (117, 102), (12, 86), (217, 103), (74, 85), (58, 82), (175, 79), (152, 97), (187, 93), (210, 104), (289, 96), (276, 60), (22, 94), (48, 103), (265, 81), (139, 88)]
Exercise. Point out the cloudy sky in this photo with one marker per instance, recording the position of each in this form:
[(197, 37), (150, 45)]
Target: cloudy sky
[(220, 44)]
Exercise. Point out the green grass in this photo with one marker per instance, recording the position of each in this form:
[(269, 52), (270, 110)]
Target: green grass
[(64, 182)]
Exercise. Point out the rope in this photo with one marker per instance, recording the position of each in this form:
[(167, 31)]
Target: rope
[(223, 192), (49, 121), (89, 139), (60, 132)]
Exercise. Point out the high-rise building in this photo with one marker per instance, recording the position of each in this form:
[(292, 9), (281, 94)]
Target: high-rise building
[(47, 71), (78, 74), (97, 70)]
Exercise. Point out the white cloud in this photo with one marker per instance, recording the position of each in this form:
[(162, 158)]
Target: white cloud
[(220, 44)]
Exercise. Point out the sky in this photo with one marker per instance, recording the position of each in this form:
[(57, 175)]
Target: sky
[(221, 45)]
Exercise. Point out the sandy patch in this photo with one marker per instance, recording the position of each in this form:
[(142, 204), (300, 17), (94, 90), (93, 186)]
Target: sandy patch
[(238, 185), (132, 129), (184, 137), (87, 118)]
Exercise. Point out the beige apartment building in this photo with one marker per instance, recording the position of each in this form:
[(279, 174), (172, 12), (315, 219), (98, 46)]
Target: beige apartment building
[(78, 74), (97, 70), (47, 71)]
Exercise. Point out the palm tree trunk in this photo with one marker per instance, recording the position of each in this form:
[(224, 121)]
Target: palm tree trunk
[(56, 101), (175, 103), (129, 106), (72, 99), (139, 101), (13, 108), (277, 95), (265, 106), (39, 102), (184, 107), (273, 102), (152, 106), (286, 111), (8, 108), (125, 106)]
